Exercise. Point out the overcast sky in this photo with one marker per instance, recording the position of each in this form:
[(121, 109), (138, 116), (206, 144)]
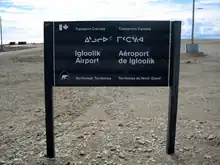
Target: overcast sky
[(23, 19)]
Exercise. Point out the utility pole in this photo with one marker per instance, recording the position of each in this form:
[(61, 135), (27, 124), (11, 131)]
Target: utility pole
[(193, 48), (193, 21), (1, 33)]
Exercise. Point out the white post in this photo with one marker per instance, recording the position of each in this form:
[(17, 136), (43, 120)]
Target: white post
[(1, 33), (193, 21)]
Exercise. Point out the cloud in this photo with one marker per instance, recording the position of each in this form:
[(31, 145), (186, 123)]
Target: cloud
[(23, 19)]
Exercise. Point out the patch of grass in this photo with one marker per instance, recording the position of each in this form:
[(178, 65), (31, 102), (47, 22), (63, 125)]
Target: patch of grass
[(17, 79), (2, 75), (15, 82), (28, 59)]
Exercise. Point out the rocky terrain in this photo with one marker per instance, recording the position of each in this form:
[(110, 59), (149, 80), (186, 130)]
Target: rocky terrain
[(109, 125)]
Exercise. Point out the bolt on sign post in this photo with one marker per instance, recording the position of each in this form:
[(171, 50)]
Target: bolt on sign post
[(112, 53)]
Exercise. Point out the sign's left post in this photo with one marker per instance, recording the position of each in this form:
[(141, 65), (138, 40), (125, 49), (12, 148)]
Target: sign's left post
[(48, 86)]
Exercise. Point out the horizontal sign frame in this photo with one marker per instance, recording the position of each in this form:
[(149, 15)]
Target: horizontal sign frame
[(60, 56)]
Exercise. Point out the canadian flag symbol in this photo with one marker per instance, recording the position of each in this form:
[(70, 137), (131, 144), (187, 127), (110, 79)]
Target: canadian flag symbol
[(61, 27)]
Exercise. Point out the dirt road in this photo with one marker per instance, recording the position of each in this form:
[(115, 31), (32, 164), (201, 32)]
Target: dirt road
[(109, 126)]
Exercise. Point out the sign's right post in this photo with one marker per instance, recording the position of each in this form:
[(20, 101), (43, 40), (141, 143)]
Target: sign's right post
[(174, 85)]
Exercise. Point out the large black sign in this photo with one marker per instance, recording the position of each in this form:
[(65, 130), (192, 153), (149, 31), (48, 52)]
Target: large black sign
[(111, 53)]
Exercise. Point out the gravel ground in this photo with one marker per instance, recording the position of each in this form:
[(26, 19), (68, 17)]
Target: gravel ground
[(9, 48), (106, 125)]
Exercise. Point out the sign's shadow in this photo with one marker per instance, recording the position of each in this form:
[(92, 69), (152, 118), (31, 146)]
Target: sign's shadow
[(175, 158)]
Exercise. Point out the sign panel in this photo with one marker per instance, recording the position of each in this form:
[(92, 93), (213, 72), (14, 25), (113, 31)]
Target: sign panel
[(111, 53)]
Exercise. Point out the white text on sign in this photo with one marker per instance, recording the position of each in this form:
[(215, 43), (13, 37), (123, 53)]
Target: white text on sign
[(130, 39), (88, 60), (134, 58)]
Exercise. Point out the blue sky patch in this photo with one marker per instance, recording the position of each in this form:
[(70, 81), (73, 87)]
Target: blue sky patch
[(22, 19)]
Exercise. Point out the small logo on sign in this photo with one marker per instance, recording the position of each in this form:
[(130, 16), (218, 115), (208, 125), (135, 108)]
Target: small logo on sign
[(63, 27), (64, 76)]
